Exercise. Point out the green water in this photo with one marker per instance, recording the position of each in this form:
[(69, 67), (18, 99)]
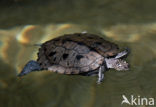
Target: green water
[(129, 23)]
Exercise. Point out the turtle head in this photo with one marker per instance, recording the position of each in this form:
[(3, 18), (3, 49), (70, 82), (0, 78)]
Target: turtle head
[(117, 64), (29, 67)]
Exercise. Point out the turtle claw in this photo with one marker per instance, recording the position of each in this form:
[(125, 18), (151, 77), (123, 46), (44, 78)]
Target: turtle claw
[(100, 79)]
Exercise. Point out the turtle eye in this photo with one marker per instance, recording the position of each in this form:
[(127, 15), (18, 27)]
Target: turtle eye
[(119, 65)]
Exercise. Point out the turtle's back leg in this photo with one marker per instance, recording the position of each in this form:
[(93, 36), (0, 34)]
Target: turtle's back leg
[(30, 67), (91, 73)]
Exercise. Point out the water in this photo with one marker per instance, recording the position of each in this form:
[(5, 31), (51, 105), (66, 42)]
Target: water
[(25, 23)]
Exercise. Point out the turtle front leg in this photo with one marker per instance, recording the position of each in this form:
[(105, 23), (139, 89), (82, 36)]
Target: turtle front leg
[(122, 54), (101, 74)]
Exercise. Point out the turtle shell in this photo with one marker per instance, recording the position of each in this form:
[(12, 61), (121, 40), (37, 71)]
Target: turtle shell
[(75, 53)]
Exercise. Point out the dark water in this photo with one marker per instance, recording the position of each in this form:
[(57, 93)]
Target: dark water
[(23, 23)]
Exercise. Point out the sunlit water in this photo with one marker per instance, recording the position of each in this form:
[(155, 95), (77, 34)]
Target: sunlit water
[(134, 28)]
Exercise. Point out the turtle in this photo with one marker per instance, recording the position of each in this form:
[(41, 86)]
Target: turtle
[(78, 53)]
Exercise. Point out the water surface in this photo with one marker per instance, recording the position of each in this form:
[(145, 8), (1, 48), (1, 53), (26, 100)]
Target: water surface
[(25, 23)]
